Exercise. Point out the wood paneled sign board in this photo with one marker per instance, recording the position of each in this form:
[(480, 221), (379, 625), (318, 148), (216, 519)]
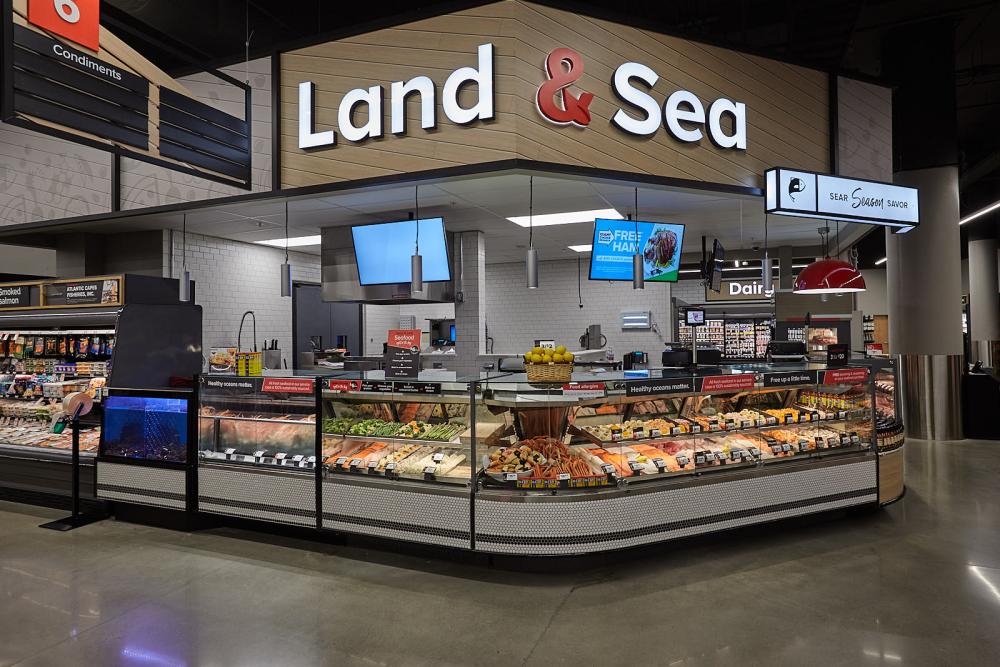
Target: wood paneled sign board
[(89, 87), (69, 293), (515, 80)]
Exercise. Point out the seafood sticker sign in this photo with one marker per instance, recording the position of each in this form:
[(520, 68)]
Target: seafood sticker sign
[(616, 241)]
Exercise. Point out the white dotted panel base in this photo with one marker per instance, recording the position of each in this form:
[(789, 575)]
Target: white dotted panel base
[(142, 485), (281, 498), (397, 513), (601, 524)]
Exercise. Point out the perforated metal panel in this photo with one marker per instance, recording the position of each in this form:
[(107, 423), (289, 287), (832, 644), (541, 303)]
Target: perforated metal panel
[(601, 523), (141, 485), (261, 495), (391, 511)]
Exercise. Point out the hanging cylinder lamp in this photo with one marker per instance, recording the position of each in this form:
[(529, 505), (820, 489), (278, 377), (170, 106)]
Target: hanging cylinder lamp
[(767, 275), (531, 259), (184, 293), (416, 261)]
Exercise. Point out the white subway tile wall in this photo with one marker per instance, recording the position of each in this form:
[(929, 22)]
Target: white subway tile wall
[(44, 178), (690, 291), (516, 316), (233, 277), (145, 184)]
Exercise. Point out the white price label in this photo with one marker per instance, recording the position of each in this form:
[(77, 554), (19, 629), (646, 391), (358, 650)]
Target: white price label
[(659, 463), (355, 463), (842, 415), (747, 424), (311, 459), (682, 460), (654, 433), (341, 460), (696, 428), (786, 447), (437, 458), (430, 470), (855, 439), (676, 430), (259, 454), (230, 451), (789, 419), (563, 476), (297, 458), (507, 476), (608, 468), (389, 467), (372, 465), (635, 466)]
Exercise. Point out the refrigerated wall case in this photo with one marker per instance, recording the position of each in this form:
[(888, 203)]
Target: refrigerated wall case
[(739, 338), (890, 432), (499, 465), (92, 335)]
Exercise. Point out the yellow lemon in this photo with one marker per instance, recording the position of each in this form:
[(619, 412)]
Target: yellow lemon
[(557, 357), (547, 359), (536, 358), (568, 357), (527, 356), (537, 350), (561, 349)]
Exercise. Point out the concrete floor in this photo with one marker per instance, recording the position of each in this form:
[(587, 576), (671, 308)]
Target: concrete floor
[(915, 584)]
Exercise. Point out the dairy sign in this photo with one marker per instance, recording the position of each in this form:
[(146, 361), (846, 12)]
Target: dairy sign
[(739, 290), (683, 115), (812, 195)]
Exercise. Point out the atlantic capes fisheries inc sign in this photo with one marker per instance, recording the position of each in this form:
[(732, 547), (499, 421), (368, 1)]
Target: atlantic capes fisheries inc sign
[(811, 195)]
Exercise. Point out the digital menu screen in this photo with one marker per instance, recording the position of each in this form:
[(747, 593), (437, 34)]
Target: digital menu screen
[(616, 241)]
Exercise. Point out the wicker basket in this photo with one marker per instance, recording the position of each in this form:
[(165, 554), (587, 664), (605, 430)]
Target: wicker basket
[(549, 372)]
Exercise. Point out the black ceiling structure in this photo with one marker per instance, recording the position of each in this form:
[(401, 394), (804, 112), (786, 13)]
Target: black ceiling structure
[(842, 36)]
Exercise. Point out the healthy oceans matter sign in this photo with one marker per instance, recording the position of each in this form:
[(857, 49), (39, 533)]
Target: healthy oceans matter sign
[(616, 241)]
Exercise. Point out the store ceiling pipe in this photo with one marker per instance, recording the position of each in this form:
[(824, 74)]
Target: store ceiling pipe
[(829, 276)]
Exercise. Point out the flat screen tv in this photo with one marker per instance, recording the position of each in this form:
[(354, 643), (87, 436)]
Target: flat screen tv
[(383, 251), (616, 241), (714, 267)]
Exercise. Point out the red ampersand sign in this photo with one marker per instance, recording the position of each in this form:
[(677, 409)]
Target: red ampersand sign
[(574, 109)]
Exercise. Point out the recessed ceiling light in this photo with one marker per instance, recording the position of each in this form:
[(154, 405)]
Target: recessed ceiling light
[(567, 218), (581, 248), (295, 242)]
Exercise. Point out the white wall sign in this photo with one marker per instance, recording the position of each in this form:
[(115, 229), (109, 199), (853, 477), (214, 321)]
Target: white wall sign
[(371, 99), (810, 195), (739, 290)]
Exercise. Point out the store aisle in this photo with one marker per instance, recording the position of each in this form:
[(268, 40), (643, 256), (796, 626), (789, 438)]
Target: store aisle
[(916, 584)]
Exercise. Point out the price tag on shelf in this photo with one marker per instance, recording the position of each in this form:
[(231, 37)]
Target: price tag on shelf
[(748, 424), (616, 435), (430, 470), (438, 457), (310, 462), (390, 467), (654, 433), (355, 463), (660, 464), (562, 477), (696, 428), (786, 447), (372, 465), (789, 419), (638, 433), (635, 466), (855, 439), (777, 449), (675, 430), (828, 416), (341, 460), (259, 454), (682, 460), (754, 452), (805, 416), (803, 445), (230, 453), (845, 439), (297, 458), (820, 442), (842, 414), (608, 469), (730, 424)]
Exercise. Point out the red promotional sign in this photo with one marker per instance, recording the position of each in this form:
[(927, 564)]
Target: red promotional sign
[(77, 20), (344, 385), (846, 376), (727, 382), (288, 385), (407, 339)]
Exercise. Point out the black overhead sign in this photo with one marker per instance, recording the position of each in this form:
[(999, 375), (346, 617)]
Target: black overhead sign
[(203, 136), (789, 378), (83, 292), (15, 296), (57, 83)]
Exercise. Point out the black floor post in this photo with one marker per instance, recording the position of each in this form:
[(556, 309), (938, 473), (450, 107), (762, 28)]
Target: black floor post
[(76, 519)]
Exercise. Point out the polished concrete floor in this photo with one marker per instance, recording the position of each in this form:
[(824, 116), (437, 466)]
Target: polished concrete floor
[(915, 584)]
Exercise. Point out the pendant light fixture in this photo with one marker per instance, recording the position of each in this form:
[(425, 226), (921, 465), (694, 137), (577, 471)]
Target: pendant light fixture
[(286, 268), (829, 276), (638, 265), (185, 283), (416, 261), (531, 261)]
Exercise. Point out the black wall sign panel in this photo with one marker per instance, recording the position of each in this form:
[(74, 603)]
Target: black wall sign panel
[(203, 136)]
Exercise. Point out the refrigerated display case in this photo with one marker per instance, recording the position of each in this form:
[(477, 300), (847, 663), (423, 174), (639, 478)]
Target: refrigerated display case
[(501, 465), (890, 433), (739, 338), (258, 445), (81, 335)]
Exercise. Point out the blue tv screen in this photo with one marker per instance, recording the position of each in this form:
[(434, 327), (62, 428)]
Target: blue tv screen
[(616, 241), (383, 251)]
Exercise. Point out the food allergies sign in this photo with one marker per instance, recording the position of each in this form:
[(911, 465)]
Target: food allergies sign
[(616, 241), (810, 195)]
